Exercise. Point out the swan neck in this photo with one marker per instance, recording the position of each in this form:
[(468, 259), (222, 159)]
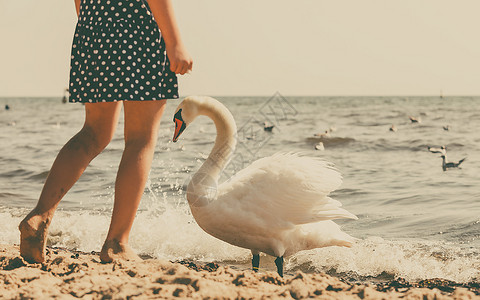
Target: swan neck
[(199, 190), (225, 140)]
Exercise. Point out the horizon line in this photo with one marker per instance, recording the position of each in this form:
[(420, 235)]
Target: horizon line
[(285, 95)]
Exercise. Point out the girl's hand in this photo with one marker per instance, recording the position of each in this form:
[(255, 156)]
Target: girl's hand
[(180, 60)]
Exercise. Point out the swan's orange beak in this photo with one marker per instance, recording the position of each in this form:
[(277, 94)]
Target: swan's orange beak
[(179, 125)]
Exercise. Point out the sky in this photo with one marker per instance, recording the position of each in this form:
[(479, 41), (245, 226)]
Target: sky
[(260, 47)]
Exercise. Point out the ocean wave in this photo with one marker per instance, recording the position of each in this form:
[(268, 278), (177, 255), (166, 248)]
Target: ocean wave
[(383, 144), (412, 145), (330, 141), (16, 173), (375, 257), (41, 176), (169, 231)]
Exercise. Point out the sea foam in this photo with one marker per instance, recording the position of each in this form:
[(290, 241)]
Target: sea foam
[(170, 232)]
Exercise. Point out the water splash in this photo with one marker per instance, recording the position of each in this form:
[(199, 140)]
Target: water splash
[(411, 260), (169, 231)]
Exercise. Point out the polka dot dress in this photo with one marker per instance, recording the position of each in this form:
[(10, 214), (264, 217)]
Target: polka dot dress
[(118, 54)]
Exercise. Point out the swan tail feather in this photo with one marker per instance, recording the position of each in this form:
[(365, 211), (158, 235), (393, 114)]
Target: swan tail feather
[(324, 216), (324, 234), (339, 213)]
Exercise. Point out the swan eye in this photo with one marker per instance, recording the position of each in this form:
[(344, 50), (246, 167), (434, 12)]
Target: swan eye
[(178, 115)]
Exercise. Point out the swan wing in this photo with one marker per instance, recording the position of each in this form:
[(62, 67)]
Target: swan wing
[(283, 190)]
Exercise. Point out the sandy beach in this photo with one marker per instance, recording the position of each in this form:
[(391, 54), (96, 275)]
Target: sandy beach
[(70, 274)]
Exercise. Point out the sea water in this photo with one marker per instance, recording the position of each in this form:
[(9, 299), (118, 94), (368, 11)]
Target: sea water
[(415, 220)]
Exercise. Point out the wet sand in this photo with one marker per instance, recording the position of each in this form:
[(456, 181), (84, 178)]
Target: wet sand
[(71, 274)]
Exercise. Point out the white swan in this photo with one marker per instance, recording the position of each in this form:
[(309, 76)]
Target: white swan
[(278, 205)]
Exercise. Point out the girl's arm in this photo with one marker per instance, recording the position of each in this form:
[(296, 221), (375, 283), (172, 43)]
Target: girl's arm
[(180, 60), (77, 6)]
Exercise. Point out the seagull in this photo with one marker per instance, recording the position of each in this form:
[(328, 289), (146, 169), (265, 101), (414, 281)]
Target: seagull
[(267, 127), (415, 120), (442, 150), (446, 128), (449, 165), (326, 134), (320, 146)]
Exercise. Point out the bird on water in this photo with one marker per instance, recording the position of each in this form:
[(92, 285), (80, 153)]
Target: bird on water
[(278, 205)]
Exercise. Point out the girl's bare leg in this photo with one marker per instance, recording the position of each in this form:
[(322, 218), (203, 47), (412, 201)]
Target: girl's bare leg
[(142, 120), (100, 123)]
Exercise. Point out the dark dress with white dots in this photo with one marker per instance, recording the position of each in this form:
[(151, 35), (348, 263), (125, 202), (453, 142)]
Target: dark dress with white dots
[(118, 54)]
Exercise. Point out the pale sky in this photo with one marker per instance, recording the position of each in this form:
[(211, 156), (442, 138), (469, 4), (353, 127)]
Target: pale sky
[(259, 47)]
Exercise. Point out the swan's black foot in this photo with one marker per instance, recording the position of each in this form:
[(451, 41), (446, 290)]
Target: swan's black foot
[(255, 262), (279, 263)]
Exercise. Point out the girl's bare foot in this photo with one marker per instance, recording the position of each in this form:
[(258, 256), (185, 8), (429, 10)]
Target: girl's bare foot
[(33, 237), (114, 250)]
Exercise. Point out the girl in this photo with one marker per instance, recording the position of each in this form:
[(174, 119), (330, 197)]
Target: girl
[(119, 57)]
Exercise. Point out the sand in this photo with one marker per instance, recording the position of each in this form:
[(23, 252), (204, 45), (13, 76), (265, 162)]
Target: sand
[(70, 274)]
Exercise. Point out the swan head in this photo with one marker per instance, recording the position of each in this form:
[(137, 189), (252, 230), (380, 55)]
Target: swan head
[(194, 106), (185, 113)]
